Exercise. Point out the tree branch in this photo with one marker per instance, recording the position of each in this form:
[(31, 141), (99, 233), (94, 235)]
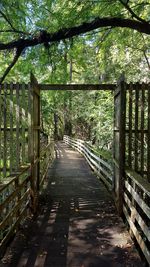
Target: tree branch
[(8, 21), (45, 37), (132, 12), (146, 58), (15, 31), (65, 33), (16, 57), (11, 25)]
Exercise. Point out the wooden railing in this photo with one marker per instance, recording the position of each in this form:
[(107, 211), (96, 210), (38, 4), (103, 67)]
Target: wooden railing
[(14, 203), (136, 209), (136, 195), (16, 195), (47, 156), (98, 163)]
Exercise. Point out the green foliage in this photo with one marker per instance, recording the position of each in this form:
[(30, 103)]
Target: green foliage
[(99, 56)]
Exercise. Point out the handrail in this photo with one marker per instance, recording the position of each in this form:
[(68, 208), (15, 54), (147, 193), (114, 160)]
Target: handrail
[(17, 193), (99, 164), (136, 209), (15, 177)]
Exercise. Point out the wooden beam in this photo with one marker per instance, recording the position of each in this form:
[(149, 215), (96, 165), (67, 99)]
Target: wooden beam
[(75, 87)]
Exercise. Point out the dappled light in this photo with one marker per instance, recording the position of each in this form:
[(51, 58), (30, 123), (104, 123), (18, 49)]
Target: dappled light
[(77, 224)]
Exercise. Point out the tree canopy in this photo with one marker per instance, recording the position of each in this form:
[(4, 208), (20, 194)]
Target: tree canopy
[(54, 35)]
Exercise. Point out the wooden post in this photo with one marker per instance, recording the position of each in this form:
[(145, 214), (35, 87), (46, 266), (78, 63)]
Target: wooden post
[(148, 135), (35, 135), (5, 132), (119, 142), (1, 112)]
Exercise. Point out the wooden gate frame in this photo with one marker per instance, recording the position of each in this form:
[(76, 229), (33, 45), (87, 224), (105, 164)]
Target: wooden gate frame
[(119, 143), (35, 142), (119, 128)]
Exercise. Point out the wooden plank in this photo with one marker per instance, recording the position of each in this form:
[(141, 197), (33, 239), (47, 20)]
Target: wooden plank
[(138, 180), (138, 237), (14, 193), (1, 112), (75, 87), (107, 182), (102, 86), (130, 127), (35, 142), (5, 132), (23, 120), (119, 143), (82, 147), (79, 145), (136, 137), (30, 124), (36, 126), (20, 125), (148, 138), (12, 229), (138, 199), (17, 127), (98, 165), (136, 215), (14, 129), (15, 176), (11, 129), (142, 132), (14, 210)]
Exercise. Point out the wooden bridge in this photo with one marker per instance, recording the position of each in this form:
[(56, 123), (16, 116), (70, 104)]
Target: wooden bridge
[(78, 224)]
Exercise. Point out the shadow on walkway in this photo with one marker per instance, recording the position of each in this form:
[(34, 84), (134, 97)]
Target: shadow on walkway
[(77, 226)]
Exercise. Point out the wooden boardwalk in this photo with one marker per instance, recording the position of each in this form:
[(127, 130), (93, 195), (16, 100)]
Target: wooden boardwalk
[(78, 225)]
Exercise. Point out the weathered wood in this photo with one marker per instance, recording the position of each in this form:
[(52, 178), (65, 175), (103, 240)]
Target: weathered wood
[(14, 177), (35, 168), (130, 127), (11, 128), (142, 131), (119, 143), (110, 87), (136, 137), (136, 215), (1, 156), (148, 138), (8, 219), (24, 104), (138, 199), (5, 132), (137, 235), (30, 123), (17, 126), (76, 87), (102, 168), (15, 192), (12, 230)]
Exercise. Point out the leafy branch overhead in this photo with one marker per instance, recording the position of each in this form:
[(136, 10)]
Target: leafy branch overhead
[(22, 38)]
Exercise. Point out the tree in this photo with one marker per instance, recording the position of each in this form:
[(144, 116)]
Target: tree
[(65, 19)]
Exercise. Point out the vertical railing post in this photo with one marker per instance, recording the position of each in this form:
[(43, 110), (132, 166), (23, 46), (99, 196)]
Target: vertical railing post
[(35, 135), (119, 142)]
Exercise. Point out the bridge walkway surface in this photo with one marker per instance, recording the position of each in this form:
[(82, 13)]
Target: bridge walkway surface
[(77, 225)]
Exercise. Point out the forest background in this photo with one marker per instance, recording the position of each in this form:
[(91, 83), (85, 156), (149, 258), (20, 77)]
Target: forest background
[(58, 56)]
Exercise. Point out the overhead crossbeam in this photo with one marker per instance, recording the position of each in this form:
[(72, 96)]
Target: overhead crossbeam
[(76, 87)]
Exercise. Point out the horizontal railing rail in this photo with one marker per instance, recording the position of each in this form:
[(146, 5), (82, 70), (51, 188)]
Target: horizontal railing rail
[(14, 203), (136, 209), (99, 164), (136, 195), (16, 195), (47, 156)]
